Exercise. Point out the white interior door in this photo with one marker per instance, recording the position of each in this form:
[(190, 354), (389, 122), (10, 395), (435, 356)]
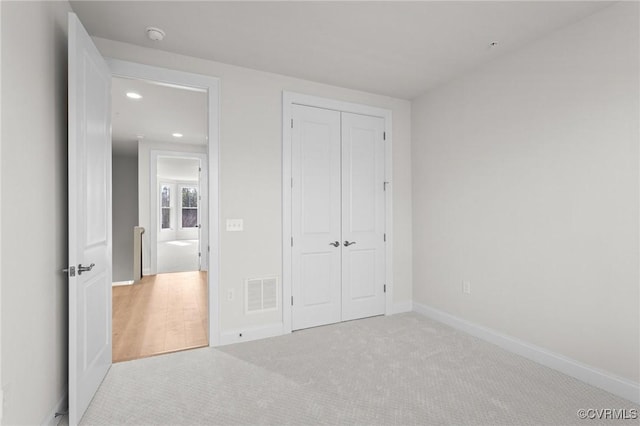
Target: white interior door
[(316, 243), (90, 240), (363, 251)]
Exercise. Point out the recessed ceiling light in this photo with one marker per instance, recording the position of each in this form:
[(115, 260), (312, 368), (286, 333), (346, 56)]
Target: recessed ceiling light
[(134, 95), (493, 44), (176, 135)]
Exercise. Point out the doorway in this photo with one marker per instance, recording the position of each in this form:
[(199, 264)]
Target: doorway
[(90, 205), (178, 247), (165, 127), (178, 228)]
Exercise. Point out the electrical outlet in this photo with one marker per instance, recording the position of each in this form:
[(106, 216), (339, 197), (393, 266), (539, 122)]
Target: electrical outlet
[(466, 287), (230, 295), (235, 225)]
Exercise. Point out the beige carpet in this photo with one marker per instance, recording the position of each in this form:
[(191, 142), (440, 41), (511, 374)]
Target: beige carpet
[(404, 370)]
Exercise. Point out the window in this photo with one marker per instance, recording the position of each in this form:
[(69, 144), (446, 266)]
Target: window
[(189, 211), (165, 207)]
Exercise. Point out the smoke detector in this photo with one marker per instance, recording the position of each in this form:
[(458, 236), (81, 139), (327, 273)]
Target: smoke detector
[(155, 34)]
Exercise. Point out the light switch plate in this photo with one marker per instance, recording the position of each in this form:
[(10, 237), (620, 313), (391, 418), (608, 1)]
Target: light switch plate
[(235, 225)]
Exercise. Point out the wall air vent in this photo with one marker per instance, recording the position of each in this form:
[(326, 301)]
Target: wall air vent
[(261, 294)]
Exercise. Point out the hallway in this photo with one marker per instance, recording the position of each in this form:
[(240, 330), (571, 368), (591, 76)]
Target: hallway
[(163, 313)]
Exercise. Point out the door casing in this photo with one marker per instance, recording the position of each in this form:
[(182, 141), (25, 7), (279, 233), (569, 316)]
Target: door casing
[(288, 100), (211, 85)]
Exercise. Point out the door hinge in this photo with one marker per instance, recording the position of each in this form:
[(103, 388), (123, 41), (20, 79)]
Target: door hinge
[(384, 185), (384, 136), (291, 300), (208, 248), (385, 237), (292, 123), (199, 169), (291, 241), (385, 288), (199, 254)]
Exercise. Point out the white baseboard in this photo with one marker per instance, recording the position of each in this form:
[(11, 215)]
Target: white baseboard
[(61, 407), (250, 333), (117, 283), (404, 306), (146, 271), (602, 379)]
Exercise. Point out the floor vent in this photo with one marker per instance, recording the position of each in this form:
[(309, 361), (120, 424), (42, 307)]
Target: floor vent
[(261, 294)]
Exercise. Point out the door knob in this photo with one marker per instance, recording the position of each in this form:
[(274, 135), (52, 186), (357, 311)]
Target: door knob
[(335, 243), (347, 243), (82, 269)]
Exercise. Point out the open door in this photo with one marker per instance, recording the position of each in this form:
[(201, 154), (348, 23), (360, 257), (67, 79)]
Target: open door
[(89, 219)]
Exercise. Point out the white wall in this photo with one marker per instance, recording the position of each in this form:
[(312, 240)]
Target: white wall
[(251, 170), (179, 169), (144, 162), (34, 227), (525, 183), (1, 395), (125, 214)]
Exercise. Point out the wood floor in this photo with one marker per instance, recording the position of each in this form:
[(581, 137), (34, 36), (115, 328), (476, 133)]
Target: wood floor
[(163, 313)]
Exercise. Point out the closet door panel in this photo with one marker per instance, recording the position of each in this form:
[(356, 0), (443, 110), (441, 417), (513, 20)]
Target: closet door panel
[(363, 256), (316, 216)]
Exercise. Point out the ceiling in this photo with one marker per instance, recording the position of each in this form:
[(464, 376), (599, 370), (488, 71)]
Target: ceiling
[(161, 112), (394, 48)]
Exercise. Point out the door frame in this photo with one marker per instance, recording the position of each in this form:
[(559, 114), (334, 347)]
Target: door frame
[(211, 85), (154, 204), (288, 100)]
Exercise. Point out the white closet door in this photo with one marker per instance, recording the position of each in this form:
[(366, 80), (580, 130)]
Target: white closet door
[(316, 214), (363, 257)]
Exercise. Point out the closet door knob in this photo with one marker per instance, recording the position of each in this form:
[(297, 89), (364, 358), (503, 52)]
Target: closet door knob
[(335, 243), (347, 243)]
